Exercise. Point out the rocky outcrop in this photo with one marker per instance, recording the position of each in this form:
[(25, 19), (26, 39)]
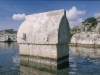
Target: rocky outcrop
[(83, 36), (8, 35)]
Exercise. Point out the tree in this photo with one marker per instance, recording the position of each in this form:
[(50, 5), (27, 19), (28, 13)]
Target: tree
[(91, 20)]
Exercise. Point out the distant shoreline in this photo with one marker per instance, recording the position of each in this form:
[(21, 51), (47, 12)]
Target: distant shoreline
[(8, 35), (85, 45)]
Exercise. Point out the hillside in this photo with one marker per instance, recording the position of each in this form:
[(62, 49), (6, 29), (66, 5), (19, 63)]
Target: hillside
[(87, 34), (8, 35)]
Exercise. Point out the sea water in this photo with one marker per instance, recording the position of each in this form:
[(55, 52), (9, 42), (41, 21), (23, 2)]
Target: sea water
[(82, 61)]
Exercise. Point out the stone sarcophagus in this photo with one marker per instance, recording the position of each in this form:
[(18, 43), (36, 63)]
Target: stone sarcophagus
[(45, 37)]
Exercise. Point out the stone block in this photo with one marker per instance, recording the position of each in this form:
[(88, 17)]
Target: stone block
[(43, 39)]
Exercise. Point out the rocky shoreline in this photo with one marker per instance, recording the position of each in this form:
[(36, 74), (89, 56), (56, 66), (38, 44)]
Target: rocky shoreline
[(85, 45), (86, 35), (8, 35)]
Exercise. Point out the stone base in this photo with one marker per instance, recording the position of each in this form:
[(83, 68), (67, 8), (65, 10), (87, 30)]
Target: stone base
[(45, 51), (45, 56), (45, 64)]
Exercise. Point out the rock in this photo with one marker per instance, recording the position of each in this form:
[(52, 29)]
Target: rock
[(85, 37), (8, 35), (97, 29), (74, 30), (98, 19)]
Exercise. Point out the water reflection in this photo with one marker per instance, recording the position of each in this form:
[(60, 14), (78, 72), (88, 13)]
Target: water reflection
[(32, 71), (46, 58), (26, 70), (8, 45), (9, 58), (86, 52), (82, 61), (30, 65), (10, 63)]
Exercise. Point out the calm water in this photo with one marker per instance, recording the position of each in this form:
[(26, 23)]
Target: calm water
[(82, 61)]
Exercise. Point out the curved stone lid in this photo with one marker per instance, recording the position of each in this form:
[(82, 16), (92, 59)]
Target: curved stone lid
[(45, 28)]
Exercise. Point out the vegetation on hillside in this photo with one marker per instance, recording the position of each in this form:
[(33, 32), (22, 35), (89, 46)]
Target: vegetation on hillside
[(92, 21), (87, 25), (9, 31), (74, 30)]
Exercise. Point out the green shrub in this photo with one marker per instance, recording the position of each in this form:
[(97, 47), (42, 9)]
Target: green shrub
[(90, 20), (93, 22)]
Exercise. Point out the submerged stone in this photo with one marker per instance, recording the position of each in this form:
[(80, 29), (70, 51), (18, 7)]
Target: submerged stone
[(45, 36)]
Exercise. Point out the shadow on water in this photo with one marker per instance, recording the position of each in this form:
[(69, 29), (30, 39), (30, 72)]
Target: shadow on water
[(62, 56), (62, 46)]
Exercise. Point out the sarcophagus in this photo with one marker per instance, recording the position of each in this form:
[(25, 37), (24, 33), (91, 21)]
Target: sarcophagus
[(44, 37)]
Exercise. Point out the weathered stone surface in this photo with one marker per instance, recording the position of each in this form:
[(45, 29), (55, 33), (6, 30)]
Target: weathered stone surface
[(45, 36), (98, 19), (87, 37), (47, 51), (8, 35), (45, 28)]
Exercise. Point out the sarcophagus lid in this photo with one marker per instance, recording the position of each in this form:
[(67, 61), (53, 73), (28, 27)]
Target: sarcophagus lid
[(45, 28)]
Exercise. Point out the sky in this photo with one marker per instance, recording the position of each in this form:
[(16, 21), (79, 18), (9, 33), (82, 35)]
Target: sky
[(13, 12)]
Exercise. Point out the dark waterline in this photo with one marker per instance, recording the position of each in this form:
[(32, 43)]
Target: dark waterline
[(82, 61)]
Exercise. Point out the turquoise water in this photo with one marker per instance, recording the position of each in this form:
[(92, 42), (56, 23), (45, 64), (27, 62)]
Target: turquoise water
[(82, 61)]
